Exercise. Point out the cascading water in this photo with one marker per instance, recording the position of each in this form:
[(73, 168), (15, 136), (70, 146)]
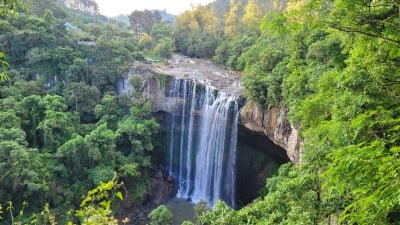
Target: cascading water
[(202, 136)]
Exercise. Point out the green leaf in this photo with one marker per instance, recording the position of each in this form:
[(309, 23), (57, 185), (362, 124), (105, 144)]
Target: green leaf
[(119, 195)]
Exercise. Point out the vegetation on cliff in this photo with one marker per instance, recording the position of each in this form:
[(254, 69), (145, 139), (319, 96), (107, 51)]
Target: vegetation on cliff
[(335, 66)]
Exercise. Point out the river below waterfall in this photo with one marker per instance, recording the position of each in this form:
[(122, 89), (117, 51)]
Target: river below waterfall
[(182, 209)]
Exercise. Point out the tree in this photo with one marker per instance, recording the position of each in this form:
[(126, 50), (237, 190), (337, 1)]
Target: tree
[(100, 143), (23, 171), (10, 7), (161, 216), (49, 20), (3, 67), (95, 208), (165, 47), (82, 99), (138, 132), (7, 7), (160, 31), (221, 214), (73, 154), (109, 111), (198, 33), (9, 120), (252, 16), (232, 20), (143, 21), (31, 115), (57, 126), (78, 71), (52, 148), (146, 42)]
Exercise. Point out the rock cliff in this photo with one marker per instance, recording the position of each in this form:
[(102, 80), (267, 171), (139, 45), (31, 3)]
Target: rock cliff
[(274, 124), (88, 6)]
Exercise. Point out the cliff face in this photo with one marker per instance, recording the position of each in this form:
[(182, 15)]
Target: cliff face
[(88, 6), (274, 124)]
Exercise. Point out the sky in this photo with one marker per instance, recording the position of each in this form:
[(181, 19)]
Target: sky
[(116, 7)]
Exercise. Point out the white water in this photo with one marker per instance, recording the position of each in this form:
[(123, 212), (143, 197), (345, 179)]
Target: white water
[(202, 149)]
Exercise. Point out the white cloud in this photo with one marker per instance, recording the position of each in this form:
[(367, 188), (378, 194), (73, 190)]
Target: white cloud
[(116, 7)]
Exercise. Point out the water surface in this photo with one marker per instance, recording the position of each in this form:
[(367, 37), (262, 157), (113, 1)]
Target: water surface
[(182, 209)]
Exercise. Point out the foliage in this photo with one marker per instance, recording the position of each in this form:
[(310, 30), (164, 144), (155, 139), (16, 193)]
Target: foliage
[(160, 31), (233, 24), (3, 68), (200, 208), (95, 208), (165, 48), (161, 216), (10, 7), (59, 115), (7, 7), (143, 21), (138, 131), (197, 33), (229, 51), (187, 223), (221, 214)]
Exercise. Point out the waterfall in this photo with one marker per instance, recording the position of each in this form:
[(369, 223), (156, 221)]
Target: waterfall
[(202, 136), (190, 141), (173, 92), (183, 116)]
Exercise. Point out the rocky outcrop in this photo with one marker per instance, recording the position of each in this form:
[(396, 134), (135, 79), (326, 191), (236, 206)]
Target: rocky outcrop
[(163, 185), (274, 124), (201, 71), (88, 6), (142, 84)]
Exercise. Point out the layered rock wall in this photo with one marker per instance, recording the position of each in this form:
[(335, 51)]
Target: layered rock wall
[(274, 124)]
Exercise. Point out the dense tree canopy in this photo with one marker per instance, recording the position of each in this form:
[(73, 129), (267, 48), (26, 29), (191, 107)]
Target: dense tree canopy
[(63, 128)]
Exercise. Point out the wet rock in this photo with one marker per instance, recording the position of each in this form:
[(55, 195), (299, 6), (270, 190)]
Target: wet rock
[(159, 174), (162, 187)]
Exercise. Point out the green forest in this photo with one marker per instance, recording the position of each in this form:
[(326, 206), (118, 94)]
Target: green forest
[(65, 132)]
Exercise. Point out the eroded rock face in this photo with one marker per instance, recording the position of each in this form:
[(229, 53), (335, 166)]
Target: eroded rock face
[(258, 159), (273, 123)]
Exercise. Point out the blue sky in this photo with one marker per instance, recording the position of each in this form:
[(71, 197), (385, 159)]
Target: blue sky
[(116, 7)]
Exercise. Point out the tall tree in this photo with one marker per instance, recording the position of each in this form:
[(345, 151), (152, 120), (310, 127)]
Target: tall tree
[(252, 16), (7, 7), (143, 21), (232, 20), (198, 32)]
